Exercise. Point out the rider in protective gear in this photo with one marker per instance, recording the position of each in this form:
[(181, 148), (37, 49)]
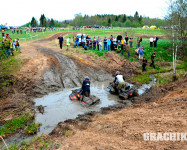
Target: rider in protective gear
[(120, 81), (85, 87)]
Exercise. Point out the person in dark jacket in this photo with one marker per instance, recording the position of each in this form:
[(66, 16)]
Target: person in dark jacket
[(144, 64), (155, 41), (153, 59), (85, 87), (60, 38)]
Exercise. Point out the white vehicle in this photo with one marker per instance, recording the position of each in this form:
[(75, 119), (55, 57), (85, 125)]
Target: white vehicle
[(79, 36)]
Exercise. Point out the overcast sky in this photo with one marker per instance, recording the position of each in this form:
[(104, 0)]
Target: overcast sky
[(19, 12)]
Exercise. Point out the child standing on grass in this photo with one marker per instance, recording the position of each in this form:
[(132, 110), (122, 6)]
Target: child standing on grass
[(108, 44), (68, 42)]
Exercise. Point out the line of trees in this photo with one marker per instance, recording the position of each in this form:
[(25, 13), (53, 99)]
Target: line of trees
[(46, 22), (121, 20)]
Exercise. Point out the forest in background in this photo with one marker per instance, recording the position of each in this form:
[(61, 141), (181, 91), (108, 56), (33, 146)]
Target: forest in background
[(121, 20)]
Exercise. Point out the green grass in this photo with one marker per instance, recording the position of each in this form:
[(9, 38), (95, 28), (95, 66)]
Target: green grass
[(32, 35), (32, 128), (15, 124)]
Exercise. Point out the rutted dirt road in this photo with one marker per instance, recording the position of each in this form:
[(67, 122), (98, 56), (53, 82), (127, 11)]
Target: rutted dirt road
[(45, 70)]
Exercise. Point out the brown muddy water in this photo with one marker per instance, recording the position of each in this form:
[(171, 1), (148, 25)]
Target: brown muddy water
[(58, 106)]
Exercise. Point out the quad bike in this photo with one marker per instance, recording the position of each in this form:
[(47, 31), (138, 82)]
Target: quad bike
[(86, 101), (125, 92)]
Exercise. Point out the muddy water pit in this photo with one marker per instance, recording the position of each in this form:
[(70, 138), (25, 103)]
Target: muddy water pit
[(58, 107)]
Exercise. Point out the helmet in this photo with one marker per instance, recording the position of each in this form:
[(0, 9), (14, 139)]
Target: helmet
[(117, 72), (87, 78)]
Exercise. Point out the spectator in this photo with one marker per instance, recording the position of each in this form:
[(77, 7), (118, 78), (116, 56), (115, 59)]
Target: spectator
[(114, 43), (105, 43), (139, 40), (97, 42), (126, 39), (60, 38), (100, 45), (94, 43), (123, 44), (7, 35), (21, 30), (83, 42), (144, 64), (153, 55), (88, 41), (6, 47), (17, 45), (77, 41), (155, 41), (151, 41), (11, 47), (90, 44), (128, 50), (108, 44), (3, 34), (131, 41), (119, 38), (140, 52)]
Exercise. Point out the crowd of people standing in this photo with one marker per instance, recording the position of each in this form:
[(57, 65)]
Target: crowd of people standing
[(119, 44), (8, 46)]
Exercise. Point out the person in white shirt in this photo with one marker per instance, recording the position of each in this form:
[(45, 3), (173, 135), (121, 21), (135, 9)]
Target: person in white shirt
[(114, 43), (120, 80)]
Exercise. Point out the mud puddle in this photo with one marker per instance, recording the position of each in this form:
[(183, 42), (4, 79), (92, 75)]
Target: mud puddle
[(58, 106)]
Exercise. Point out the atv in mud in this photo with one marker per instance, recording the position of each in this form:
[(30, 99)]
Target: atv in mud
[(125, 93), (87, 101)]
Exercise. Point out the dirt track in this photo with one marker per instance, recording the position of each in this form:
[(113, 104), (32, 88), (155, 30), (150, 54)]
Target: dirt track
[(46, 70)]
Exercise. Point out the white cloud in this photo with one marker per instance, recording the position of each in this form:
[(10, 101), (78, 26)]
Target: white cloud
[(21, 11)]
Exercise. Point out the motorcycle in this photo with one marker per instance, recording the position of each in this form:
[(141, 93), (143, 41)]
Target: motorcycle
[(86, 101)]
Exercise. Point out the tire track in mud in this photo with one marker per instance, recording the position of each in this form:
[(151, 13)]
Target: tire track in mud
[(64, 72)]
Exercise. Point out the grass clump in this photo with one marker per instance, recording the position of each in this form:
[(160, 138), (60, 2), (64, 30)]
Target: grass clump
[(32, 128), (15, 124)]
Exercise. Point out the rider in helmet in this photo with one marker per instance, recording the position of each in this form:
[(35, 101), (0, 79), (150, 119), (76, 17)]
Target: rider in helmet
[(85, 87), (120, 81)]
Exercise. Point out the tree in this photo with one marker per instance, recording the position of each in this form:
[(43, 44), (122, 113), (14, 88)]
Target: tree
[(177, 17), (33, 22), (52, 23), (109, 22), (128, 23), (43, 21), (136, 16), (116, 18), (124, 18)]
